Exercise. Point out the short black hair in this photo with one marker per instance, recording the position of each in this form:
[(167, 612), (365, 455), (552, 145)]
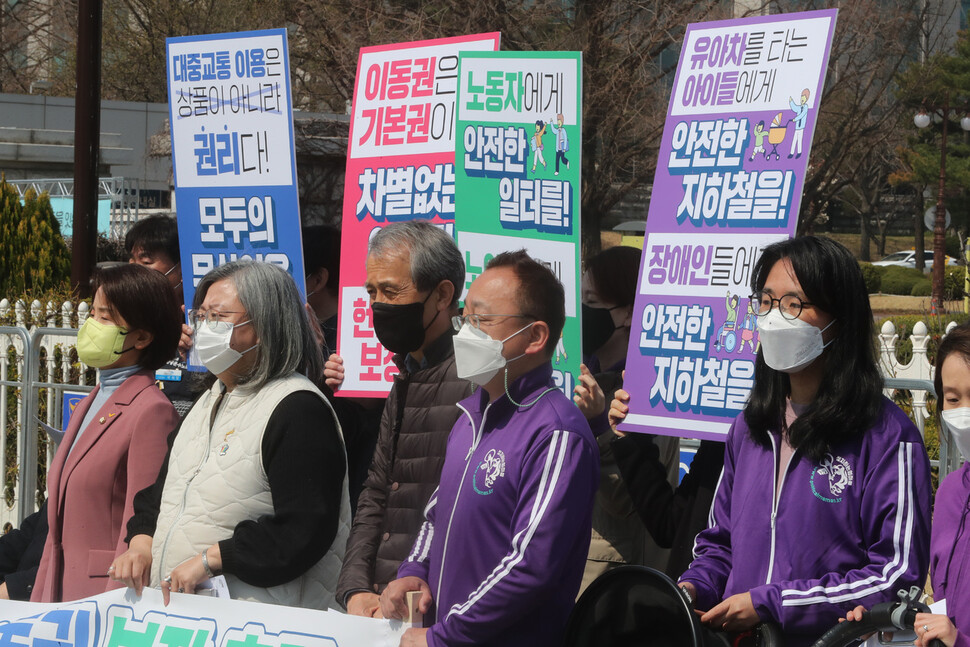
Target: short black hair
[(321, 248), (614, 272), (540, 293), (154, 234), (146, 301)]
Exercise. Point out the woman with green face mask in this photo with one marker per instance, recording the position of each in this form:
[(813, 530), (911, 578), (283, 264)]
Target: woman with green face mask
[(115, 441)]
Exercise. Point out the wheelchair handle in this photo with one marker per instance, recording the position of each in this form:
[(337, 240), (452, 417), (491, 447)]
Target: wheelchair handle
[(887, 616)]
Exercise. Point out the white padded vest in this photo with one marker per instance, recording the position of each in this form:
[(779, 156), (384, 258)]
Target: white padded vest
[(216, 480)]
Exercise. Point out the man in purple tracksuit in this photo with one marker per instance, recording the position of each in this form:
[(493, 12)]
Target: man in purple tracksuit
[(850, 529), (502, 552)]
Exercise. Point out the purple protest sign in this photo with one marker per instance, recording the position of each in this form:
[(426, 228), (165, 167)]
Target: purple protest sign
[(729, 180)]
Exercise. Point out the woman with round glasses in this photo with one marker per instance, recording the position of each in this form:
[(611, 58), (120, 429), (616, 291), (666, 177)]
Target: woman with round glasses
[(255, 483), (115, 441), (823, 503)]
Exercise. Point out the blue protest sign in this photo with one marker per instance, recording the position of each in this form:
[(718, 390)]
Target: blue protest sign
[(233, 152)]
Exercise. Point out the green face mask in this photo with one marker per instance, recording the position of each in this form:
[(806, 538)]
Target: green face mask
[(99, 344)]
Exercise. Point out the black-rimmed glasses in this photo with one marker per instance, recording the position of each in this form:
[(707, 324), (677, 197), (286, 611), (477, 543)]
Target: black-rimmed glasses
[(789, 305)]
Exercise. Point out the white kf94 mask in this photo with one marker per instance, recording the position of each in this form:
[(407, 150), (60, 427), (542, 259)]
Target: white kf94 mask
[(478, 357), (789, 345), (958, 421)]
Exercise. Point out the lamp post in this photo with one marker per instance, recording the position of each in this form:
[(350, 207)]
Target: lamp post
[(922, 120)]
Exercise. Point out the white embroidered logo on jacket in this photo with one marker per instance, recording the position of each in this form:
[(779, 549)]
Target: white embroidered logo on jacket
[(840, 477), (489, 471)]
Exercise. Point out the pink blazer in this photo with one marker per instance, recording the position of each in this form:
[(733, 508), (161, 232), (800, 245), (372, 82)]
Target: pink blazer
[(90, 492)]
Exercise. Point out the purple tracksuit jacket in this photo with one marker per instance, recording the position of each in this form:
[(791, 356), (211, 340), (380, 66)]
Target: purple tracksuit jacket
[(950, 550), (507, 531), (851, 529)]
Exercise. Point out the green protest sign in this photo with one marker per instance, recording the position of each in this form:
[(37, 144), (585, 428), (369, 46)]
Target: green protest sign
[(518, 175)]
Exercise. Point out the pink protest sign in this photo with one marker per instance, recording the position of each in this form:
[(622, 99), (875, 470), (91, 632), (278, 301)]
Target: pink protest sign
[(729, 179), (400, 166)]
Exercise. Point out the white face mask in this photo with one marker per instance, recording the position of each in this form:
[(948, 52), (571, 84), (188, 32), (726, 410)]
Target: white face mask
[(478, 357), (958, 421), (789, 345), (213, 347)]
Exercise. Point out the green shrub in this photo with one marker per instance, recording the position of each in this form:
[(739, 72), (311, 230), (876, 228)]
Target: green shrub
[(872, 275), (899, 280), (898, 284), (951, 246), (953, 282), (894, 271), (922, 288)]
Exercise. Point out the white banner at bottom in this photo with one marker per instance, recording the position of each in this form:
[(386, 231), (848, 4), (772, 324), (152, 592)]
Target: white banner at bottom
[(120, 619)]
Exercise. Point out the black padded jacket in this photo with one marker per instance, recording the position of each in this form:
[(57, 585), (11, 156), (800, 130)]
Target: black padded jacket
[(418, 416)]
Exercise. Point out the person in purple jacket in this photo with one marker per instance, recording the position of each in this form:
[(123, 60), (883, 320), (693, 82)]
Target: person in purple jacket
[(502, 551), (823, 503), (950, 542)]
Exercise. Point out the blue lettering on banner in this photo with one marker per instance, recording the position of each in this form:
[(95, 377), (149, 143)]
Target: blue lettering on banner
[(231, 152), (741, 199), (76, 627), (711, 386), (668, 329), (711, 145), (493, 151), (244, 220), (542, 205), (254, 63), (407, 192), (202, 264), (564, 381)]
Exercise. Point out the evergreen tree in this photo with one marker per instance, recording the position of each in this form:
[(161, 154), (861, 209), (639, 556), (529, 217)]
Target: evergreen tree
[(33, 256)]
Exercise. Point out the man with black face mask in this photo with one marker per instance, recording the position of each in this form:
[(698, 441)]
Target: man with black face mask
[(415, 273)]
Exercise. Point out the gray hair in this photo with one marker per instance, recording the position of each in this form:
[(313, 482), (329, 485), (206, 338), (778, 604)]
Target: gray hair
[(270, 297), (434, 255)]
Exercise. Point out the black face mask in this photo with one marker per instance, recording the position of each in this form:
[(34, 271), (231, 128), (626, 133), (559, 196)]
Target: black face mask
[(598, 327), (400, 326)]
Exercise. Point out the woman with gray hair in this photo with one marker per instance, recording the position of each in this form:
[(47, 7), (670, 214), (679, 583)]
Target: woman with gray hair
[(255, 483)]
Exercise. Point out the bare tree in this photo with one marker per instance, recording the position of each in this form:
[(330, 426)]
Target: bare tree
[(630, 50), (36, 44), (859, 110), (629, 56), (135, 33), (865, 196)]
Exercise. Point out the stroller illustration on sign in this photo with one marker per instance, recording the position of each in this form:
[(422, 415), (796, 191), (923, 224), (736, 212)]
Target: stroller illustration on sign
[(727, 336), (776, 135)]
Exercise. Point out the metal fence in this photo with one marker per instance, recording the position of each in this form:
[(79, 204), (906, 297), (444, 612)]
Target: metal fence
[(39, 363)]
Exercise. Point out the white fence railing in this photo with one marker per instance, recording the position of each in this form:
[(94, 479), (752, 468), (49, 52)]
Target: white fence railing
[(39, 362)]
